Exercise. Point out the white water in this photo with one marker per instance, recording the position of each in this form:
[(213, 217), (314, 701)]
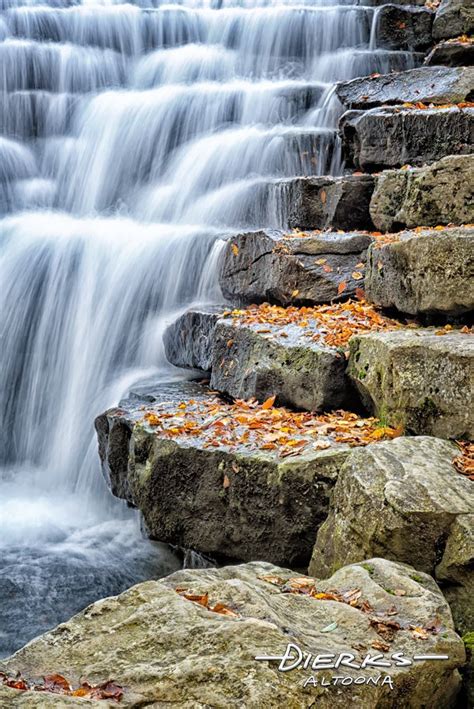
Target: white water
[(131, 139)]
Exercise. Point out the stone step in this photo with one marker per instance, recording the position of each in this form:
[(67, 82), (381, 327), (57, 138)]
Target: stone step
[(296, 355), (391, 137), (164, 648), (453, 18), (421, 379), (293, 267), (438, 85), (441, 193), (452, 52), (324, 202), (400, 27), (258, 479), (427, 272), (412, 505)]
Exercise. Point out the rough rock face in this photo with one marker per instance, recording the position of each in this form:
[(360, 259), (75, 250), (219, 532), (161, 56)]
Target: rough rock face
[(218, 500), (452, 53), (435, 84), (271, 266), (404, 27), (424, 273), (442, 193), (417, 379), (404, 500), (391, 137), (188, 340), (163, 648), (453, 18), (455, 571), (327, 202), (248, 363)]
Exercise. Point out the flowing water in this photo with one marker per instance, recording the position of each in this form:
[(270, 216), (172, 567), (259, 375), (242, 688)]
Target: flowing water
[(133, 138)]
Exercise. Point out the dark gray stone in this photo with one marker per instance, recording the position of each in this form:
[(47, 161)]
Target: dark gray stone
[(452, 53), (281, 361), (437, 84), (188, 340), (270, 266), (327, 202), (404, 27), (392, 137)]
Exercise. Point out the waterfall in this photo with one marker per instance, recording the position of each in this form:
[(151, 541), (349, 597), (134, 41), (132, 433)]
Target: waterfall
[(133, 139)]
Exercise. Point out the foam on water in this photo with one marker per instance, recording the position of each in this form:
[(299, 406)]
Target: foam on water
[(133, 139)]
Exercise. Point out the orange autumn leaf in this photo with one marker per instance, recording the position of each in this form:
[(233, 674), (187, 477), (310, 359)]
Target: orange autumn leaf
[(268, 404), (341, 287)]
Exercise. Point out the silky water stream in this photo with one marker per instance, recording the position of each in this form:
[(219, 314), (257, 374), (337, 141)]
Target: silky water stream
[(133, 139)]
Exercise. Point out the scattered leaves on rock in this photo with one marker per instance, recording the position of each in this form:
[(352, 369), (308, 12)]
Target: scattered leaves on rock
[(202, 599), (213, 423), (332, 325), (383, 622), (57, 684), (464, 462)]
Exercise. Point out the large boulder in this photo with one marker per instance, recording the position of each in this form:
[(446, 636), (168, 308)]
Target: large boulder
[(404, 500), (423, 272), (256, 478), (326, 202), (442, 193), (289, 268), (452, 52), (199, 638), (403, 27), (390, 137), (453, 18), (437, 84), (419, 379)]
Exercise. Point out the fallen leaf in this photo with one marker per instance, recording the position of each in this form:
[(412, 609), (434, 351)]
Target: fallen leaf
[(268, 404)]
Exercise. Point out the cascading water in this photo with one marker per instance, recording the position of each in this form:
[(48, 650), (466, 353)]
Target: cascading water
[(131, 139)]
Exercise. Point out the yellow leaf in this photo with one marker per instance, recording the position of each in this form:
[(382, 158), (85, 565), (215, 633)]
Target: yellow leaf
[(235, 249)]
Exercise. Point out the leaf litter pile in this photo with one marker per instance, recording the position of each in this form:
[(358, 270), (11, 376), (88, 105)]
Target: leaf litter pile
[(384, 622), (57, 684), (331, 325), (214, 423)]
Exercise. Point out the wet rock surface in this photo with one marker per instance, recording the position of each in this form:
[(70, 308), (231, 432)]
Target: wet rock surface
[(188, 340), (288, 268), (430, 84), (327, 202), (404, 500), (391, 137), (166, 648), (417, 378), (423, 272), (282, 361), (404, 27), (241, 480), (441, 193)]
